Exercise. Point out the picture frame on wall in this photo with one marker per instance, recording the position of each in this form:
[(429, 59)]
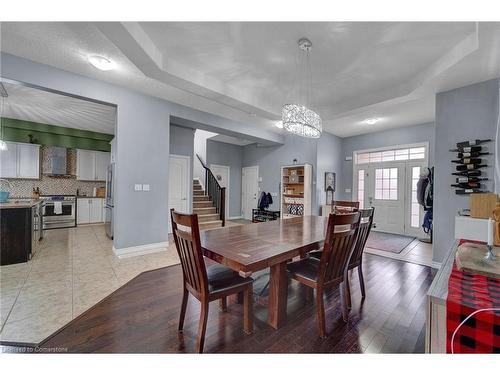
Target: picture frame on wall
[(330, 179)]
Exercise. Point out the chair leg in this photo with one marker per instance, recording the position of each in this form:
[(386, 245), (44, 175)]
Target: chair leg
[(347, 292), (183, 309), (223, 304), (361, 280), (248, 310), (343, 301), (202, 326), (320, 311)]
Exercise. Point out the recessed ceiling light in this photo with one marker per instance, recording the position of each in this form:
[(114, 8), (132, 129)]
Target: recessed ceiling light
[(101, 62), (372, 121), (279, 124)]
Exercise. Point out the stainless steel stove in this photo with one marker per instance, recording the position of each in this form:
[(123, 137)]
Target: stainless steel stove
[(58, 211)]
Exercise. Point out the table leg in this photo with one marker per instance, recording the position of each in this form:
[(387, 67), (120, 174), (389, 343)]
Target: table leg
[(278, 288)]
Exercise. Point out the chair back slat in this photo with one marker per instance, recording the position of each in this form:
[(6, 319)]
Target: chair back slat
[(339, 244), (364, 228), (346, 204), (186, 233)]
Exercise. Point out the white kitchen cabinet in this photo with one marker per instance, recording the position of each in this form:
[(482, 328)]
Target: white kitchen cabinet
[(92, 165), (89, 210), (20, 160)]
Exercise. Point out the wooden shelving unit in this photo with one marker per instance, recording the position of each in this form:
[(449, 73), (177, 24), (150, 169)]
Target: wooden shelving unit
[(296, 190)]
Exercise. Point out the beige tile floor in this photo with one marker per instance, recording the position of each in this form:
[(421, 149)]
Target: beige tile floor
[(72, 270), (416, 252)]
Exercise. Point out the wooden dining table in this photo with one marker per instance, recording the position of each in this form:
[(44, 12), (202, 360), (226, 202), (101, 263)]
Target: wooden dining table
[(254, 247)]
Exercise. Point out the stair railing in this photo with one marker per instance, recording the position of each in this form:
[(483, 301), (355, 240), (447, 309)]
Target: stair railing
[(216, 193)]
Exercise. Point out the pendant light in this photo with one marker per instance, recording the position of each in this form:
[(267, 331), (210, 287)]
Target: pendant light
[(298, 118)]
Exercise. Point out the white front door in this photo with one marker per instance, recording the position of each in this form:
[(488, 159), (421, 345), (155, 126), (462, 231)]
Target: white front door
[(249, 191), (221, 173), (178, 185), (385, 186)]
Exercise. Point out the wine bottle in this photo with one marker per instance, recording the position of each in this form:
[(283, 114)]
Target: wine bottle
[(473, 173), (461, 180), (468, 161), (468, 191), (475, 154), (468, 185), (468, 149), (468, 167), (476, 142)]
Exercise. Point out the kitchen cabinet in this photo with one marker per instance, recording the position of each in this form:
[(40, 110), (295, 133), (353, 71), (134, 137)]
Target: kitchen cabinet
[(92, 165), (20, 160), (89, 210)]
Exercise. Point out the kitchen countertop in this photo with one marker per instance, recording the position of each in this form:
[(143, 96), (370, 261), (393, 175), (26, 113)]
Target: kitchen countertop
[(88, 196), (20, 203)]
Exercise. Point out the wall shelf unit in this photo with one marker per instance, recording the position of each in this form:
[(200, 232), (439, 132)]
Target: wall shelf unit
[(296, 190)]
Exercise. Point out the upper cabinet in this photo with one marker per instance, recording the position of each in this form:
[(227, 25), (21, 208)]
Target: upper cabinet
[(92, 165), (20, 160)]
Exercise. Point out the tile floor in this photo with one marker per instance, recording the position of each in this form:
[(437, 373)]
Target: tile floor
[(72, 270)]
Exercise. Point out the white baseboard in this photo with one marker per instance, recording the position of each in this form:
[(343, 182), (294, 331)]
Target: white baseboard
[(436, 265), (133, 251), (235, 217)]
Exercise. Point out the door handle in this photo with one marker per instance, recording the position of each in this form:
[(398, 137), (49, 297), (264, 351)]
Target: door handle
[(183, 199)]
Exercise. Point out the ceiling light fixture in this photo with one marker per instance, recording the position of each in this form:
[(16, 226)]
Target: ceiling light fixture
[(298, 118), (101, 63), (372, 121)]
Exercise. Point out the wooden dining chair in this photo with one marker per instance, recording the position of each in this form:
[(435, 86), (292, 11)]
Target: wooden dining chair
[(331, 269), (206, 284), (364, 228), (350, 204)]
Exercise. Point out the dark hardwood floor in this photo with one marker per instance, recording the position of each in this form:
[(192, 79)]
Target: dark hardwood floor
[(142, 317)]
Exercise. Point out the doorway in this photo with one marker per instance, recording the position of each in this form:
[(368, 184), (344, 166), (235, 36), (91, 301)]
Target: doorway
[(249, 190), (221, 173), (178, 185)]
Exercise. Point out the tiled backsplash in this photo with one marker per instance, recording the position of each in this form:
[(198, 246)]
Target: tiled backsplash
[(52, 185)]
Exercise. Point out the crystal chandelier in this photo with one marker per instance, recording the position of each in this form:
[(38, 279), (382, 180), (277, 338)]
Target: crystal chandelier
[(297, 118)]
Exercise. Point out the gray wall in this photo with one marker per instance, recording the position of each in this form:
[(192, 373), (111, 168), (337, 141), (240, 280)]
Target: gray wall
[(329, 159), (182, 143), (406, 135), (221, 153), (466, 113), (271, 159)]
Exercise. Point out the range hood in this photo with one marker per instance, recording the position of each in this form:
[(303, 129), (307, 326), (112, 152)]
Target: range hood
[(56, 164)]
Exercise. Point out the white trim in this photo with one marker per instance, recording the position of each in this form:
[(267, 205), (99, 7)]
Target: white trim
[(235, 217), (133, 251), (394, 147), (228, 191)]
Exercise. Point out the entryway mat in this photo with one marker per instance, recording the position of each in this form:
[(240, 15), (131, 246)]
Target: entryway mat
[(394, 243)]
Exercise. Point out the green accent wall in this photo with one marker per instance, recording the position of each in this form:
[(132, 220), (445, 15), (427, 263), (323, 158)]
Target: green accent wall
[(52, 135)]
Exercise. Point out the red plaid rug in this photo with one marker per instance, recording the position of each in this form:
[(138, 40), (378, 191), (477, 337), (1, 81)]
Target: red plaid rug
[(467, 293)]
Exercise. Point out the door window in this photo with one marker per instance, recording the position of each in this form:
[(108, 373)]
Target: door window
[(361, 188), (415, 207), (386, 183)]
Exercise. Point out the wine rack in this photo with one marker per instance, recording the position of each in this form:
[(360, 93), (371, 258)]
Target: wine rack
[(472, 159)]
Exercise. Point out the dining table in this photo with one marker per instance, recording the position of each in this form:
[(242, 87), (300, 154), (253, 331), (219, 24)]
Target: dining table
[(254, 247)]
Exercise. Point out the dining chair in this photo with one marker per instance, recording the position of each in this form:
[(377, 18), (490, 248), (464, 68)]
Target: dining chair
[(364, 228), (206, 284), (331, 269), (350, 204)]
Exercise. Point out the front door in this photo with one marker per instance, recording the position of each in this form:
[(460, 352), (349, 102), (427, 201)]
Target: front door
[(249, 190), (385, 191), (178, 185), (221, 173)]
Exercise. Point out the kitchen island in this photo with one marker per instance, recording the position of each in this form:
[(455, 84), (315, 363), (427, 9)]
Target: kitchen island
[(20, 227)]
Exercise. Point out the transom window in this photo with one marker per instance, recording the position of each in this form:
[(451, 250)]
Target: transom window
[(386, 183), (401, 154)]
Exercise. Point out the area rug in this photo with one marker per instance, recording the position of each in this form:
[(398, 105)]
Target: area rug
[(393, 243)]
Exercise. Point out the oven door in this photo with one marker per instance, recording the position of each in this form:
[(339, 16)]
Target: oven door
[(65, 219)]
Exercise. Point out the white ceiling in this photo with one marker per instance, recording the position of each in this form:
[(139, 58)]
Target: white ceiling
[(246, 71), (32, 104), (231, 140)]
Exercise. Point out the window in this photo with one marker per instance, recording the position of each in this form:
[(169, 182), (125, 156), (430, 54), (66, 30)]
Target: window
[(415, 207), (401, 154), (386, 183), (361, 188)]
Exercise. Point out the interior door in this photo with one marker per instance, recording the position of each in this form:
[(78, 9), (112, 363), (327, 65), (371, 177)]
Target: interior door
[(249, 191), (221, 173), (178, 185), (385, 186)]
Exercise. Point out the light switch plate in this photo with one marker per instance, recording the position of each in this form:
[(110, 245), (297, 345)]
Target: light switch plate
[(138, 187), (348, 158), (145, 187), (347, 190), (274, 194)]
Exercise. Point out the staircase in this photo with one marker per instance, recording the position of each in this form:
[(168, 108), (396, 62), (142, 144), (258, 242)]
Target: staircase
[(208, 218)]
